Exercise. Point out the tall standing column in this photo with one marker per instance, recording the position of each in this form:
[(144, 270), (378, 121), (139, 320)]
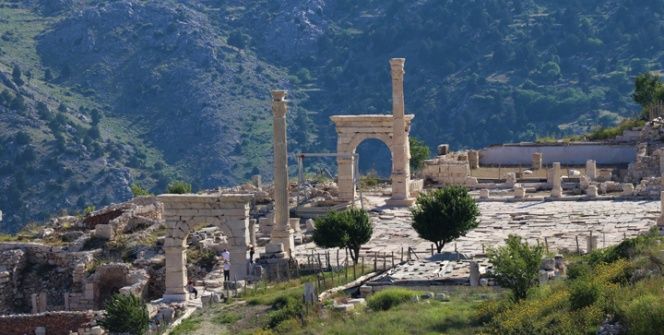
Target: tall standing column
[(400, 146), (281, 232), (176, 269), (556, 187)]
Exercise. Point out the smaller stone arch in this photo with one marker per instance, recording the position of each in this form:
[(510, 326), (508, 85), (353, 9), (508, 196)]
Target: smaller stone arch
[(229, 212), (353, 130)]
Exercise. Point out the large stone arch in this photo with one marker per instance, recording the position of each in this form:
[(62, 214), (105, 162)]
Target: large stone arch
[(229, 212), (391, 129), (353, 130)]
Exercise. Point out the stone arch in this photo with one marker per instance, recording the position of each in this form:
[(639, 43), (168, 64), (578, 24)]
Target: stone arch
[(391, 129), (352, 130), (228, 212)]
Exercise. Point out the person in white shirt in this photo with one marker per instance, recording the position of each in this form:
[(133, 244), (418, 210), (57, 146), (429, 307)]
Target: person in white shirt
[(226, 255)]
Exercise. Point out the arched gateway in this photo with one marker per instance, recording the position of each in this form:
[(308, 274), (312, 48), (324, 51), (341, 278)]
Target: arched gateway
[(182, 213), (391, 129)]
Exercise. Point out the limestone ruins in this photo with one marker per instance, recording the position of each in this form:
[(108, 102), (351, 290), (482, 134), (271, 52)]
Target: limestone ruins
[(571, 198)]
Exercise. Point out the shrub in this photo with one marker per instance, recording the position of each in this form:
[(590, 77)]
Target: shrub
[(137, 190), (584, 293), (444, 215), (644, 314), (179, 187), (126, 313), (345, 229), (578, 270), (388, 298), (516, 265), (238, 39), (284, 308)]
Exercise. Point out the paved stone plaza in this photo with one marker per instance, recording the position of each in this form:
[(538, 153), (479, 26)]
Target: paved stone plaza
[(560, 222)]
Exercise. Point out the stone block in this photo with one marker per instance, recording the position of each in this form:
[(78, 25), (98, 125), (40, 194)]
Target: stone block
[(536, 161), (591, 191), (627, 189), (274, 248), (443, 149), (484, 194), (104, 231)]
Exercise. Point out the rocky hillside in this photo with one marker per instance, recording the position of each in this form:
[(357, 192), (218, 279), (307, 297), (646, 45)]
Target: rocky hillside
[(150, 91)]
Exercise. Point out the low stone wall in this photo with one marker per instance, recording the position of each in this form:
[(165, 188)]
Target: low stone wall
[(447, 169), (565, 153), (55, 323)]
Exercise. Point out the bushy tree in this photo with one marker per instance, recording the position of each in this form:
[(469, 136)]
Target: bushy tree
[(17, 75), (126, 313), (344, 229), (445, 214), (238, 39), (419, 152), (179, 187), (516, 265), (137, 190)]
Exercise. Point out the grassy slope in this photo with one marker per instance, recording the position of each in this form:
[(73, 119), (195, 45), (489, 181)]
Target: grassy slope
[(620, 284)]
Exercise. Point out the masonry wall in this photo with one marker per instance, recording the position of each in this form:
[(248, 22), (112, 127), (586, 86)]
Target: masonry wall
[(56, 323), (566, 154)]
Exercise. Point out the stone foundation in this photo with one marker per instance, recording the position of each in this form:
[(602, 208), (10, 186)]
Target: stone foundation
[(54, 323)]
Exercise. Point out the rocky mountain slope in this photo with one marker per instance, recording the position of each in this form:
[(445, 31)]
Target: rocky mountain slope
[(152, 91)]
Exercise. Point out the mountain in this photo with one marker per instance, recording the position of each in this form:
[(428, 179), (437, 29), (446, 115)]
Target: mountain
[(111, 93)]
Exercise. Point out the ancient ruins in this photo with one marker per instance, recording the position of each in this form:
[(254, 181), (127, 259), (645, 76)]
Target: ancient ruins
[(568, 197)]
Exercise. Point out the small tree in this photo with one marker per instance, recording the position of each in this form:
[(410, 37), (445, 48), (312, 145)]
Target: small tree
[(345, 229), (444, 215), (419, 152), (179, 187), (516, 265), (137, 190), (17, 75), (126, 313)]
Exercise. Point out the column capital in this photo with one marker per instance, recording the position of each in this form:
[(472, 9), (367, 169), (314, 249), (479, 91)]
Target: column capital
[(397, 65), (279, 95)]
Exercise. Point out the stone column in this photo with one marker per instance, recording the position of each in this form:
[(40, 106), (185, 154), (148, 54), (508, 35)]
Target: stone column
[(252, 232), (537, 160), (474, 273), (591, 169), (176, 269), (556, 189), (660, 221), (345, 173), (400, 146), (474, 159), (281, 232)]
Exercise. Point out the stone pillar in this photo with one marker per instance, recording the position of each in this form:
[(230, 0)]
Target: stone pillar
[(443, 149), (281, 232), (258, 181), (556, 188), (252, 232), (591, 191), (176, 269), (510, 179), (400, 146), (519, 191), (591, 169), (345, 174), (474, 274), (591, 242), (537, 160), (474, 159)]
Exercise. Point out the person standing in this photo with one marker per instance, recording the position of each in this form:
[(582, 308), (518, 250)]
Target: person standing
[(251, 253), (227, 272), (192, 289), (226, 255)]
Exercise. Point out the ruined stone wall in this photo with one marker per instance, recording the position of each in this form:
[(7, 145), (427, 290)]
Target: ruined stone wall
[(55, 323), (451, 169)]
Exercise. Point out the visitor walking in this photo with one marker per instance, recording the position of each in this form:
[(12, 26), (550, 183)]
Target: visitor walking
[(251, 253), (225, 255)]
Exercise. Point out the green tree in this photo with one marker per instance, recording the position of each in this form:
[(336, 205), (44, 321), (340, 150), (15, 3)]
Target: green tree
[(17, 75), (344, 229), (126, 313), (238, 39), (516, 265), (648, 89), (419, 152), (179, 187), (444, 215), (137, 190)]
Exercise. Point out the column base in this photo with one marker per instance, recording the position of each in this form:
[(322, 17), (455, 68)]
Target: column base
[(178, 297), (400, 202)]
